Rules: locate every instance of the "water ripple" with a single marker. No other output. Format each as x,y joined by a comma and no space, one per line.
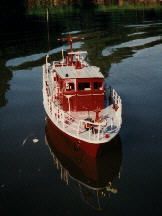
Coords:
134,43
18,61
136,33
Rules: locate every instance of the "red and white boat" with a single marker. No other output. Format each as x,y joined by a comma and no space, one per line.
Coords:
76,102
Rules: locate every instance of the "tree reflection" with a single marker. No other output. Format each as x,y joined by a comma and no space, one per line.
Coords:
11,8
5,76
100,30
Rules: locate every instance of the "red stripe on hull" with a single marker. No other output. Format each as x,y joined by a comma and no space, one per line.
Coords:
90,148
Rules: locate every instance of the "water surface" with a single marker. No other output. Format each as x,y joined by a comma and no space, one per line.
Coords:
128,48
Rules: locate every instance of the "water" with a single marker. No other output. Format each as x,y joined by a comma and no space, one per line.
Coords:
127,46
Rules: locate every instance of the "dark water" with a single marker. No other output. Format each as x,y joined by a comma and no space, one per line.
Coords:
128,48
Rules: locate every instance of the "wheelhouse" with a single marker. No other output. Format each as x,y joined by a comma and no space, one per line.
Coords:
83,91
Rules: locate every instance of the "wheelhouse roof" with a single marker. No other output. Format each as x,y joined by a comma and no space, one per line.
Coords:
86,72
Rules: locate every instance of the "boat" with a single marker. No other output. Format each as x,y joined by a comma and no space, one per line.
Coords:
77,103
94,180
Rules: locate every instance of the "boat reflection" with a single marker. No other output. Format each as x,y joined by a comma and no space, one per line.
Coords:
92,177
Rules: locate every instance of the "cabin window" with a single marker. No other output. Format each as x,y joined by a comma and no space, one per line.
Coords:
97,85
84,86
69,86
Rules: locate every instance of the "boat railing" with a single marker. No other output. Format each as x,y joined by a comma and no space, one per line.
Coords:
97,130
115,97
65,120
48,66
60,116
94,130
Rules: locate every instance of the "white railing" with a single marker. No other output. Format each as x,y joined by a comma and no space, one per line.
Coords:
66,121
93,130
116,98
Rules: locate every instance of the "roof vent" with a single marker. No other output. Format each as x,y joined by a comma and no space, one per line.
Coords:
66,75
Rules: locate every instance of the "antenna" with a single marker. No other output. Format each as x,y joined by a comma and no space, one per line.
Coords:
62,56
47,19
70,40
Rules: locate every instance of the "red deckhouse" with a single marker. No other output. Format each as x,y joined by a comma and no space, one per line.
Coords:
73,93
80,88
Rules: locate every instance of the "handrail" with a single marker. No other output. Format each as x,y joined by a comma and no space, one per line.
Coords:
115,96
93,123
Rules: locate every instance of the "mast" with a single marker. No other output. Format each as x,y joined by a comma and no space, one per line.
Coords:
70,40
